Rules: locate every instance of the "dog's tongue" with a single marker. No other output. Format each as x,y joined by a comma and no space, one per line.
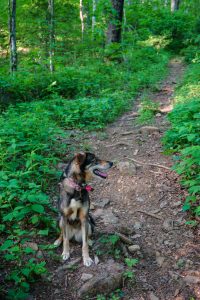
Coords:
102,174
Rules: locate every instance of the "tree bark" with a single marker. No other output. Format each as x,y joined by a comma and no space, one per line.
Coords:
115,24
94,5
82,19
51,34
12,33
175,5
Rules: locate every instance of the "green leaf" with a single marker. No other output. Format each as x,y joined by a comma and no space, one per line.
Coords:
43,232
7,244
38,208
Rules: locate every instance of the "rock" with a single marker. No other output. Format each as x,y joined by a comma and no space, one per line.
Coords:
135,236
168,225
158,115
103,202
191,279
149,129
163,204
92,207
152,296
137,225
159,259
86,277
39,254
127,168
134,248
68,265
140,199
32,245
98,213
178,203
96,260
109,218
103,283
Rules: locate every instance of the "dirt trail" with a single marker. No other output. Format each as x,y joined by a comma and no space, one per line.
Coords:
144,204
169,250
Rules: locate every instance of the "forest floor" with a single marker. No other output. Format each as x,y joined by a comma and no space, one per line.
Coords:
140,203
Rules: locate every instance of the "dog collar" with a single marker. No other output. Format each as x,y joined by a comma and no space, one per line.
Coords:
78,187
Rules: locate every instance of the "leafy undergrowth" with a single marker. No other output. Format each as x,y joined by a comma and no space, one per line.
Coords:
183,138
31,135
92,78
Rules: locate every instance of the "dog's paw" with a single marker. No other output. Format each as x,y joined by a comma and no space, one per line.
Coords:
65,255
87,261
57,242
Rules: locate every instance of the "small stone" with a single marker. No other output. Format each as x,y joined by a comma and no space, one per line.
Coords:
136,236
163,204
39,254
110,218
133,248
137,225
96,260
152,296
140,199
176,204
174,275
32,245
86,277
102,203
159,259
127,168
92,207
69,265
158,115
191,279
168,225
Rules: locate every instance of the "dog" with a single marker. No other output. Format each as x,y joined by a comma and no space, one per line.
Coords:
74,203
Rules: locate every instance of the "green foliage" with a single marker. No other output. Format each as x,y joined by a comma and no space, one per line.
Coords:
130,262
184,137
147,111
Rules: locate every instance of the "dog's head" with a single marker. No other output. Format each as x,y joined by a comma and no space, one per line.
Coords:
91,166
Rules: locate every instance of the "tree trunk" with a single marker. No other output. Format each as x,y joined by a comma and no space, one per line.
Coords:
82,19
115,24
51,34
175,5
12,33
94,5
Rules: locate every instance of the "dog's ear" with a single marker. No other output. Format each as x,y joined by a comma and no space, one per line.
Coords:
80,158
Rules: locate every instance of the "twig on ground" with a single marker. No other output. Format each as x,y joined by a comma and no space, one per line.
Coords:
127,133
124,238
148,164
149,214
119,144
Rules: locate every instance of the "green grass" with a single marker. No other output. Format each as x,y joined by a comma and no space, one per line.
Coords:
183,138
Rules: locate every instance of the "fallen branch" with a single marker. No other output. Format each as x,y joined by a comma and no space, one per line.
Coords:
148,164
124,238
127,133
119,144
149,214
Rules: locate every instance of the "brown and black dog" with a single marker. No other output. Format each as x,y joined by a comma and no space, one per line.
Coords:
74,203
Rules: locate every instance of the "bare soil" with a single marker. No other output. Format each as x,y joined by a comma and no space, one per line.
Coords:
144,205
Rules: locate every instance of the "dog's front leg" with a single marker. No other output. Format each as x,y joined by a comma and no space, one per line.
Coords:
65,254
87,261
